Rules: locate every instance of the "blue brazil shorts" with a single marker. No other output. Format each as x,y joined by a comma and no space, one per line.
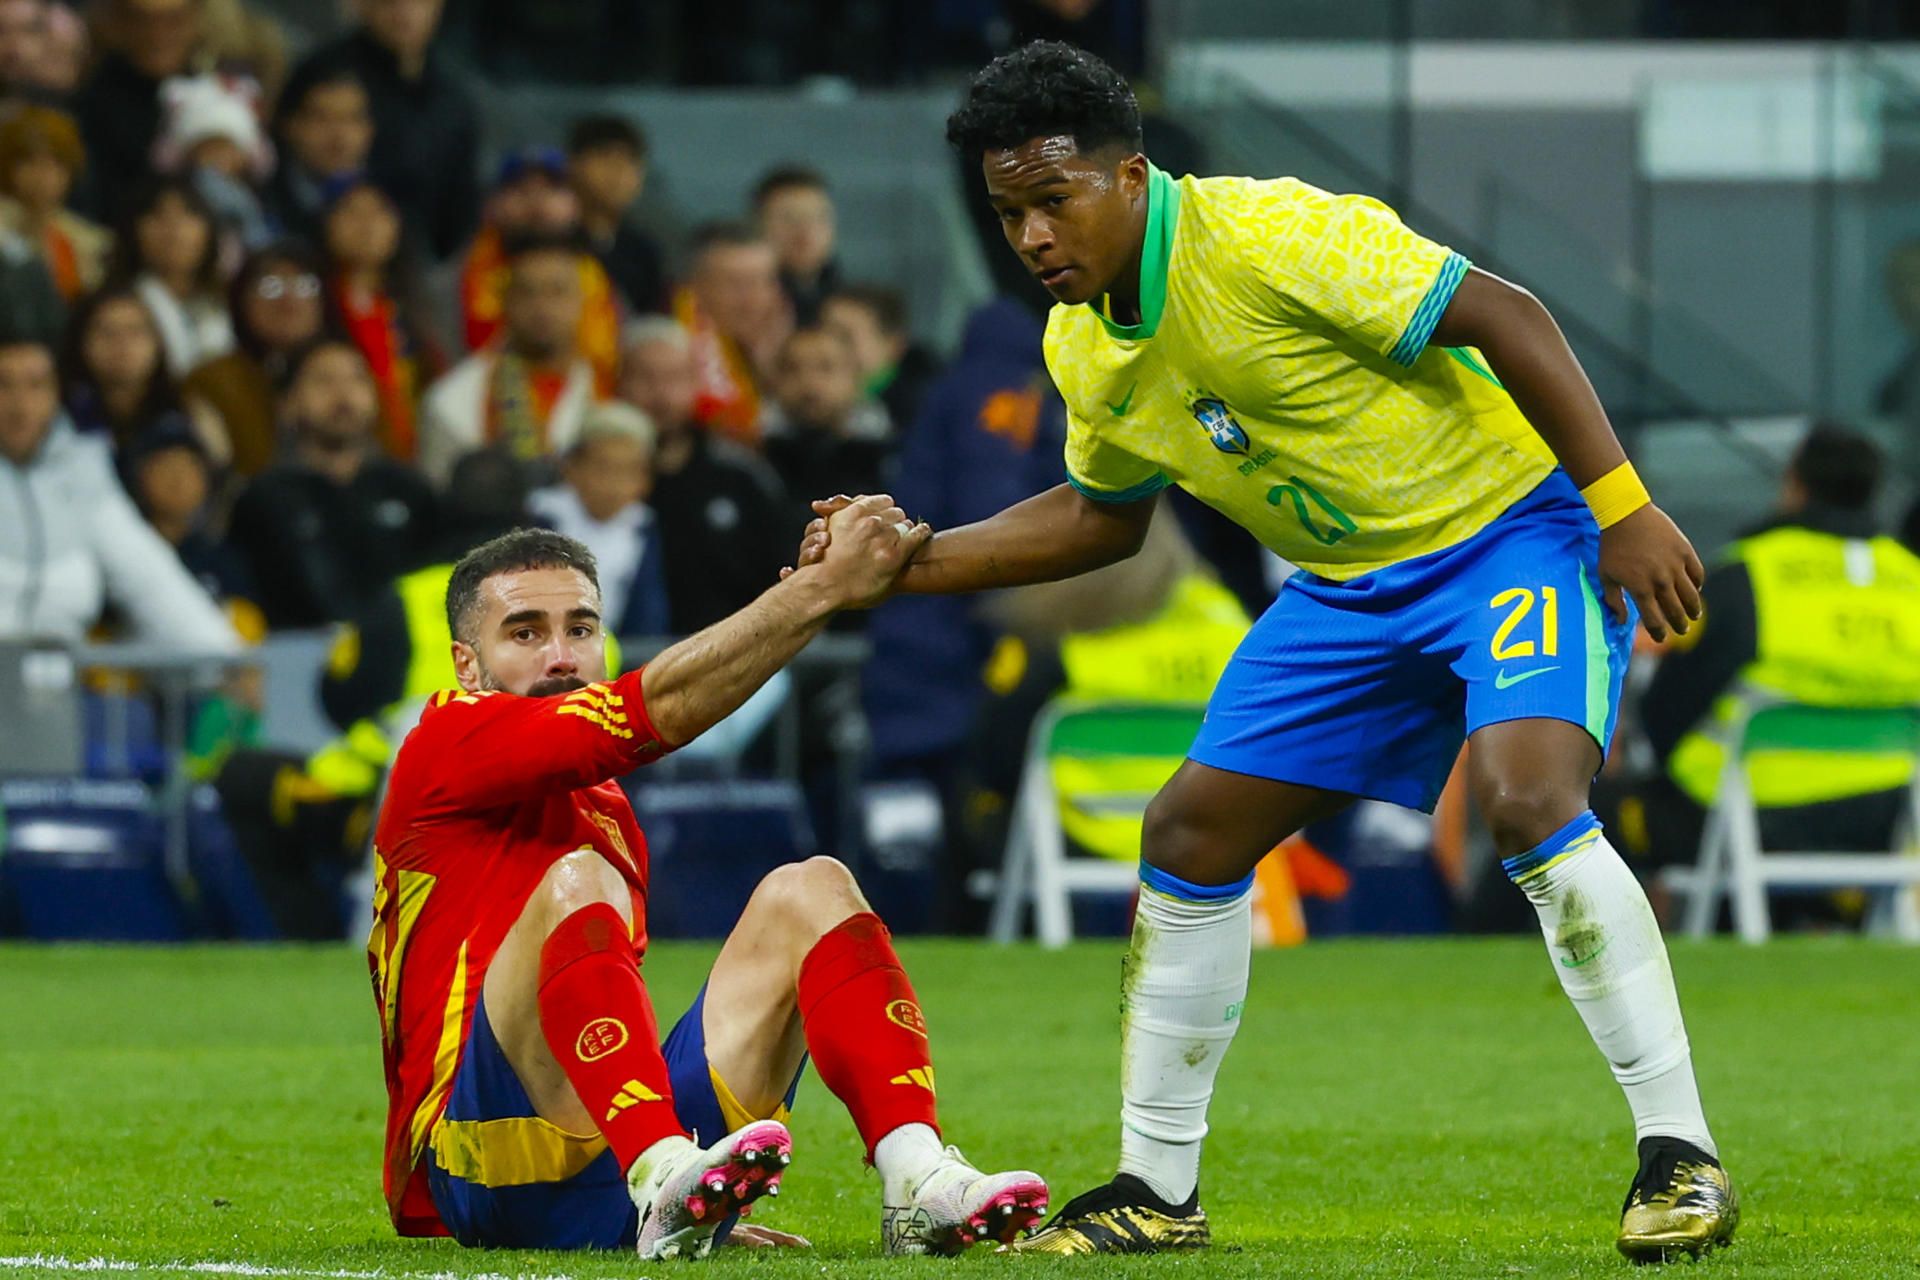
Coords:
503,1178
1370,686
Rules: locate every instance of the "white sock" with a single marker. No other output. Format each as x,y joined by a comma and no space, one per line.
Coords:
1182,992
1606,947
906,1156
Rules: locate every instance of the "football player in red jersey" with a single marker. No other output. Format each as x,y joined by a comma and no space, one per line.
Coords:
532,1103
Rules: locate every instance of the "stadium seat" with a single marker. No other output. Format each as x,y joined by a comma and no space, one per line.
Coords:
1091,768
85,860
1732,861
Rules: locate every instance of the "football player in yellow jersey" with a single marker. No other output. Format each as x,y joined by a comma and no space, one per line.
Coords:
1473,546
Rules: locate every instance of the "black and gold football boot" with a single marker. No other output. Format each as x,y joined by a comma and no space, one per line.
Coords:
1124,1216
1681,1202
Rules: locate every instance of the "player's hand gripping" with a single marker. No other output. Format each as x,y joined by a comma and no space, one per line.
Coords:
1647,557
813,544
866,543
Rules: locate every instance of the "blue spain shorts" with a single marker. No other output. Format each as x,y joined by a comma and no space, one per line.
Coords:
502,1178
1369,686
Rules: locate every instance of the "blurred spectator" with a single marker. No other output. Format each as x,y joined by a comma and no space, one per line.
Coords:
145,44
170,476
23,48
65,54
991,433
602,501
528,390
1812,606
242,40
1899,395
607,162
826,437
114,378
40,159
533,197
71,542
168,249
794,211
324,127
374,288
894,369
211,135
721,510
1113,30
30,302
277,310
426,139
737,316
334,521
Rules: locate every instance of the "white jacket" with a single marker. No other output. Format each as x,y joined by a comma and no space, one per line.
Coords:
454,421
71,540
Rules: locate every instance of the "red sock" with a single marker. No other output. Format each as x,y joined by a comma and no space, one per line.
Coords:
599,1024
865,1030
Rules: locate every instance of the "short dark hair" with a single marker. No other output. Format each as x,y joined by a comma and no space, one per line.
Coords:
510,553
722,235
889,306
1044,90
1838,467
310,78
786,177
523,243
595,133
301,356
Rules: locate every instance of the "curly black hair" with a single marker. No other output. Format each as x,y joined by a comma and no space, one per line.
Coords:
1043,90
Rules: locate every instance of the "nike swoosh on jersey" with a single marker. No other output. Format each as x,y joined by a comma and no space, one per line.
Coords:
1120,410
1502,680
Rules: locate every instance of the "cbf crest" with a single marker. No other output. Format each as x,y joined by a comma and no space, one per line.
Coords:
1225,434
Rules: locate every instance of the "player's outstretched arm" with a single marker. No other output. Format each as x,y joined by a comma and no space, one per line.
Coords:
698,682
1642,552
1057,534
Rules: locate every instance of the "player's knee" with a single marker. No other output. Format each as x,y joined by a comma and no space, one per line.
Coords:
807,898
1520,814
1173,840
578,880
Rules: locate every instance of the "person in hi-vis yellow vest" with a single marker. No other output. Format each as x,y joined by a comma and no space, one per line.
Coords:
1814,606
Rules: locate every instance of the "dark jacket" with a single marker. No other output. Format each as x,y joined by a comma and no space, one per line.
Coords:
723,535
634,264
426,140
118,110
316,550
990,433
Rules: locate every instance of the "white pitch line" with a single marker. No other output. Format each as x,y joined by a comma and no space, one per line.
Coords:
45,1262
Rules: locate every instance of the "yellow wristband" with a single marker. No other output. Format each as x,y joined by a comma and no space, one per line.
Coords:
1616,495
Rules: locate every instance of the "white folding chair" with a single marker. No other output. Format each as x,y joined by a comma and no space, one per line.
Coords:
1138,738
1732,861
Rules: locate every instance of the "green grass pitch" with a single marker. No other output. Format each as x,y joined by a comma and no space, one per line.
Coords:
1390,1109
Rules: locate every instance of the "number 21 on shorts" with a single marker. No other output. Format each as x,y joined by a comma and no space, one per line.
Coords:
1519,602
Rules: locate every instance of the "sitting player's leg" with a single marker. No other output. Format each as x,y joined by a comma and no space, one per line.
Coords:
1530,779
570,1014
1184,986
810,969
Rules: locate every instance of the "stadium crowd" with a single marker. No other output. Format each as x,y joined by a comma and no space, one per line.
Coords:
275,348
275,335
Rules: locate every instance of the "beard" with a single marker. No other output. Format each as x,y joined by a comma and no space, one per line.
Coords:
547,688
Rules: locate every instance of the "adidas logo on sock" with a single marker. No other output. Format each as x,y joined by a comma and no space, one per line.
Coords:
922,1076
631,1094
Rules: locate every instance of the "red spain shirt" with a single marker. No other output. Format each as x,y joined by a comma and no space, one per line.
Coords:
486,793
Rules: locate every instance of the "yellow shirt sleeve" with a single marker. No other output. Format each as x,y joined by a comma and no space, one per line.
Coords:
1348,261
1104,471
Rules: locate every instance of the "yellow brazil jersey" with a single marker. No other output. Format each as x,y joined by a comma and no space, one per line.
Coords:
1281,374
